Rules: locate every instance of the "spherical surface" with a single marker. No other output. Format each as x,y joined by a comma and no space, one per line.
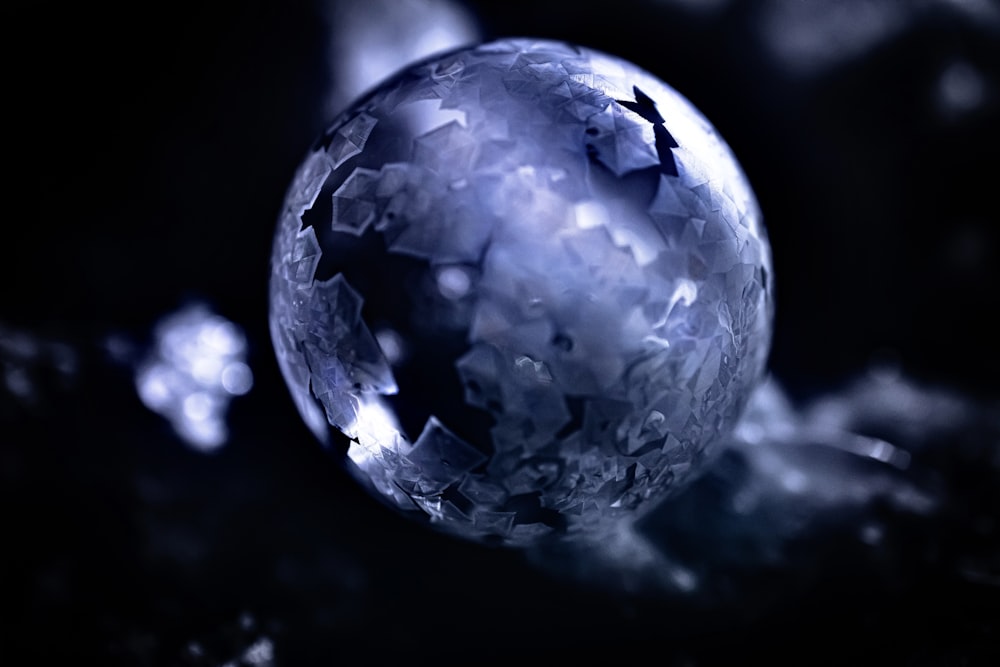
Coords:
527,285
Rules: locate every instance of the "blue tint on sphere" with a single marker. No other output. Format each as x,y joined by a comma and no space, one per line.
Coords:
527,284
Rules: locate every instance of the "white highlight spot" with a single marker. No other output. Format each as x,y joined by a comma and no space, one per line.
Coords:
961,88
195,367
391,344
590,214
237,379
260,653
685,293
198,407
453,282
376,428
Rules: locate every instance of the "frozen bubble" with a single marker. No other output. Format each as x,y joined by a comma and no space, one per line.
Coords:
574,264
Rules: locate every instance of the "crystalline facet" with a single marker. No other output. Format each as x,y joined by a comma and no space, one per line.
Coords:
349,140
442,457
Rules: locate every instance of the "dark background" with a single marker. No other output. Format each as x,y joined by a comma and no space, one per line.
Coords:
147,153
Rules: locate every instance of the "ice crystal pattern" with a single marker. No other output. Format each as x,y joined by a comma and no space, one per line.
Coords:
524,288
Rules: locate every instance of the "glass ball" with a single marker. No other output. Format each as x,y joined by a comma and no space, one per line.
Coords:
523,289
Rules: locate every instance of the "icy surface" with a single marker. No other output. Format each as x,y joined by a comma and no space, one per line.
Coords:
529,283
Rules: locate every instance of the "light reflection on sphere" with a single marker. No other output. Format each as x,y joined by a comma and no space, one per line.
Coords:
525,286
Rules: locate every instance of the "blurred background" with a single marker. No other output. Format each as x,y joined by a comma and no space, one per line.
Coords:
164,504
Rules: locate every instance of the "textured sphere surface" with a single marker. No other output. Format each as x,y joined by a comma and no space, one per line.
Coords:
524,287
